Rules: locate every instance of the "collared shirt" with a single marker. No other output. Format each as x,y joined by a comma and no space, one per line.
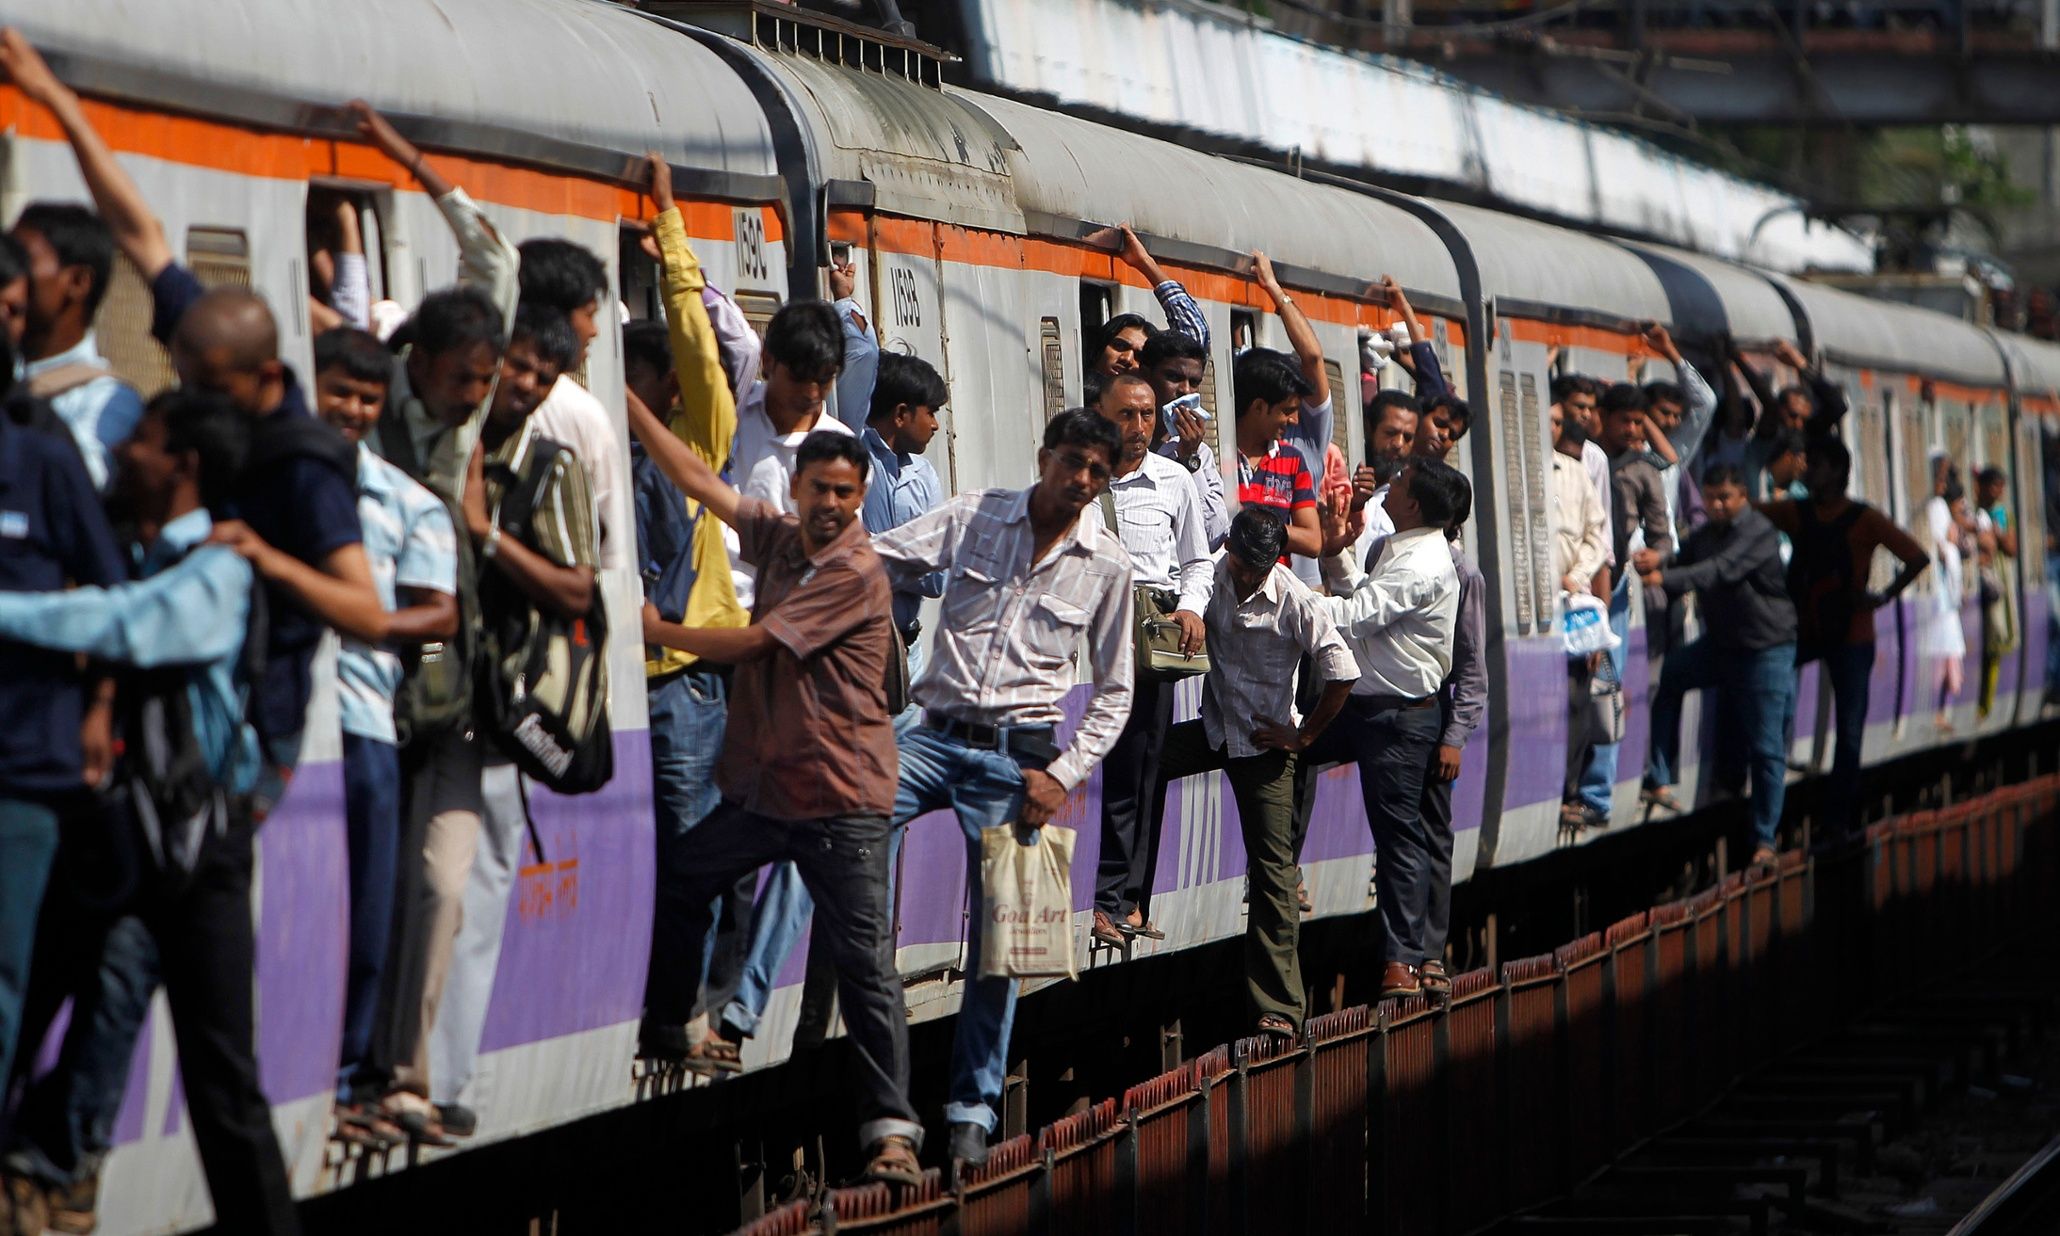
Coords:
1580,536
682,555
192,608
52,533
1398,618
762,467
1012,628
570,414
1639,506
1182,313
1596,463
1255,646
1735,571
1466,687
1310,437
409,543
488,262
1207,478
1379,527
1160,525
809,736
101,413
861,367
902,487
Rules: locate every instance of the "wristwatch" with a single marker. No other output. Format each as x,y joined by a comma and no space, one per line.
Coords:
1193,462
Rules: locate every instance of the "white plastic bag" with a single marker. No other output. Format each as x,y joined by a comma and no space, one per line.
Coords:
1584,624
1027,891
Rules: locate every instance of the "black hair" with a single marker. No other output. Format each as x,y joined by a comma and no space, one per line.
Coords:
455,318
1383,400
823,446
907,380
358,353
806,338
1990,475
1454,407
1832,454
1264,375
1116,326
1621,397
1257,536
211,427
548,330
1441,491
1090,388
1790,442
14,260
647,343
1165,345
1571,384
1954,491
1723,474
1664,392
78,237
1462,505
1084,427
1796,389
561,274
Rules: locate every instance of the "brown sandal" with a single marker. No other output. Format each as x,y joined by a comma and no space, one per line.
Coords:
1105,930
714,1055
894,1162
1277,1026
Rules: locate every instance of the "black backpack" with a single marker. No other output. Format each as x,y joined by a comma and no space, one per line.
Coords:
1820,579
543,682
163,807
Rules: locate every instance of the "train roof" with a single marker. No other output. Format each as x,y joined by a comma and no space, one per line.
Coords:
1071,172
1710,296
574,83
1882,334
2034,363
1533,269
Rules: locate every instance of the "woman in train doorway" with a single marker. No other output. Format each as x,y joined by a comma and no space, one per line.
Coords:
1943,643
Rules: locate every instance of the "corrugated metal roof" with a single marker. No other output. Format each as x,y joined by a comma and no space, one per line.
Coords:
1524,260
1710,296
1881,334
575,71
1071,169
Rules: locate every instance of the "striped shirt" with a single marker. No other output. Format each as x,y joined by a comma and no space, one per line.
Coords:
1011,629
1160,524
1254,646
408,544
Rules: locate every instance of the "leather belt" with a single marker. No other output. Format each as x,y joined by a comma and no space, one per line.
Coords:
1393,703
985,737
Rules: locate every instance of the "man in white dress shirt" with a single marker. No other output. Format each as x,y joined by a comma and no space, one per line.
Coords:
1398,618
1159,521
572,280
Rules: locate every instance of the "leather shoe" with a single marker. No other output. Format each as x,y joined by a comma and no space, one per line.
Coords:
1399,979
1104,929
968,1143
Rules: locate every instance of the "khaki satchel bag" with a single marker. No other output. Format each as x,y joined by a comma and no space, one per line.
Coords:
1154,635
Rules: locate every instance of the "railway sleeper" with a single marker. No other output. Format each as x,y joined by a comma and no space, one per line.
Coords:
1791,1183
1823,1151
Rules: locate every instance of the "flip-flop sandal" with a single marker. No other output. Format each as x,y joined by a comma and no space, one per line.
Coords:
360,1125
1661,797
1141,928
712,1056
1276,1026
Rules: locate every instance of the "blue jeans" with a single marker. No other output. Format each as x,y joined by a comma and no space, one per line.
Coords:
1756,693
689,716
1599,778
984,789
28,847
1849,669
372,836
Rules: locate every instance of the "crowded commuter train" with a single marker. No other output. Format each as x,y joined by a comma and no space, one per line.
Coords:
974,233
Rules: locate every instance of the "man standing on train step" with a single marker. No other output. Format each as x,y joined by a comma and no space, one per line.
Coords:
1028,580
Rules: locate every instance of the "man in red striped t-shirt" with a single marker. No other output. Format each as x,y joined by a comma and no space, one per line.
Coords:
1269,387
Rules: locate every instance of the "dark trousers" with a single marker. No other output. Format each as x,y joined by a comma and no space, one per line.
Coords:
1130,819
1436,810
372,836
200,943
1849,669
28,847
1308,689
1264,787
689,715
843,862
1392,742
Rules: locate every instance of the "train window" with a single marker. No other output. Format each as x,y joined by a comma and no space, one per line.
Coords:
1243,330
758,308
339,220
1094,310
1051,352
636,279
1335,375
219,256
123,328
1543,578
1510,421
